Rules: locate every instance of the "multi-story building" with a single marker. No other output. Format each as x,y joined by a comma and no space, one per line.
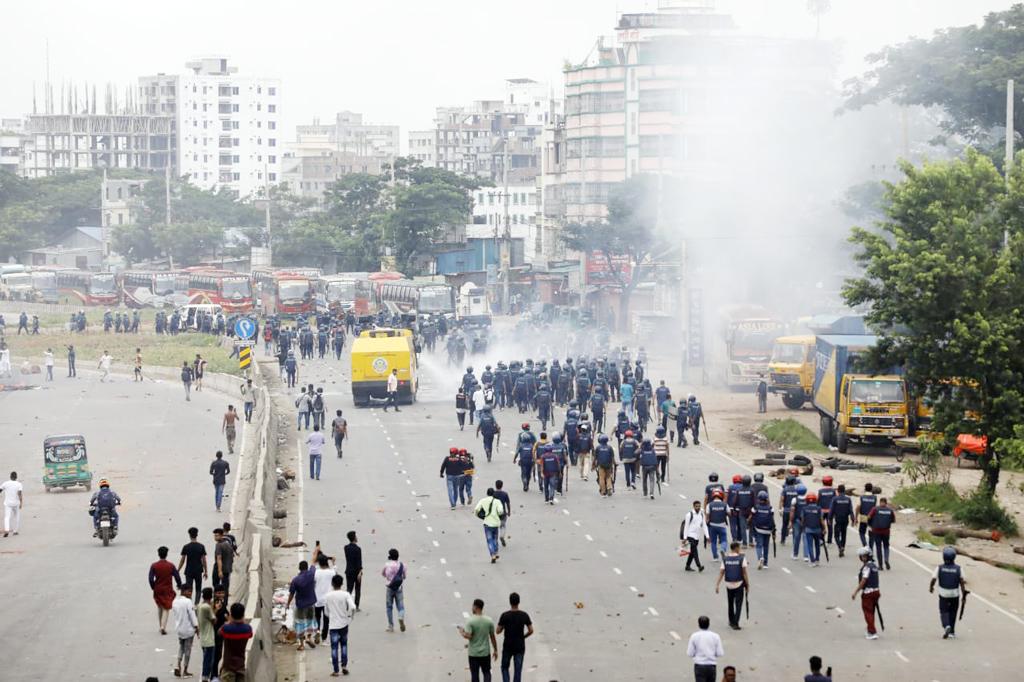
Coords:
120,200
322,153
226,126
423,147
518,207
12,143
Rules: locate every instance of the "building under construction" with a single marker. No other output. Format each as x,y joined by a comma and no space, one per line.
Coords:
61,143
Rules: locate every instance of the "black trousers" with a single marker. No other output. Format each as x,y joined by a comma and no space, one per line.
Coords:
693,558
196,581
355,586
734,602
948,608
841,526
705,673
478,665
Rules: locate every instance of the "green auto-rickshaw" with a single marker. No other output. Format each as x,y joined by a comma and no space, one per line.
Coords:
66,462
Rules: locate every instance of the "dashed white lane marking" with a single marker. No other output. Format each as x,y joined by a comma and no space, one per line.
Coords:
576,523
900,656
675,635
429,529
457,595
565,511
389,438
601,552
840,611
809,588
589,539
618,571
654,611
424,516
408,482
786,570
418,504
436,543
682,496
413,493
633,588
443,560
448,574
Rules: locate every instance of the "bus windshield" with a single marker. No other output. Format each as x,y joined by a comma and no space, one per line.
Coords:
102,283
293,290
876,391
341,291
18,279
44,281
237,288
793,353
166,284
435,300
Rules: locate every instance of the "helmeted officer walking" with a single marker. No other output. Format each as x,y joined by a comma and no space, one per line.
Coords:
952,587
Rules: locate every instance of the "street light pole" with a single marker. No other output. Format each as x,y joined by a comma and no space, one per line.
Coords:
506,252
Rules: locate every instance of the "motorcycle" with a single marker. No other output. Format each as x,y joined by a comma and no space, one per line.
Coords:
106,531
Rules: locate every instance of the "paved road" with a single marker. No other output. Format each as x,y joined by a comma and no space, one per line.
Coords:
600,577
78,610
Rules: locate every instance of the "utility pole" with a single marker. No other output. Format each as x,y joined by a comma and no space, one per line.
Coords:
506,252
1008,163
167,202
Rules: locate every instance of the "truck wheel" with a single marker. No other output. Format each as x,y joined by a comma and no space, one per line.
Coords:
792,401
842,442
825,429
899,454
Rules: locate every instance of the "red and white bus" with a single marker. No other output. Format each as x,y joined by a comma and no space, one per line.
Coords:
286,292
146,289
90,288
232,291
345,291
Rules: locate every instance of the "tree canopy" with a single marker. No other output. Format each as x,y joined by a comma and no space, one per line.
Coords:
33,212
962,70
947,295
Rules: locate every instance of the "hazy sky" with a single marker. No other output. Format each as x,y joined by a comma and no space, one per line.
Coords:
393,60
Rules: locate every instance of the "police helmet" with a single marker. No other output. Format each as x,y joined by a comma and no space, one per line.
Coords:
762,496
602,439
948,554
660,432
584,426
469,370
801,489
811,497
629,433
826,480
790,480
864,552
736,478
583,374
759,477
713,477
554,362
526,426
622,413
746,480
557,438
691,398
104,483
574,414
584,418
717,494
568,361
647,443
488,367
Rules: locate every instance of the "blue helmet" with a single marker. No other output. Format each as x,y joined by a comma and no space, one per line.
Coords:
949,554
801,489
557,438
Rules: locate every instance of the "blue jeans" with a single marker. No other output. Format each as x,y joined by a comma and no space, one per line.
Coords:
248,411
491,534
301,417
218,494
394,598
314,466
761,541
467,487
812,544
744,527
798,533
550,486
517,662
454,486
628,408
208,662
630,469
718,535
339,640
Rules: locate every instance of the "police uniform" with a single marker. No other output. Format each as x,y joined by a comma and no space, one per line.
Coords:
948,577
732,568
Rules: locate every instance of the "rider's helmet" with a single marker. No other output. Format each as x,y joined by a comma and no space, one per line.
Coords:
104,483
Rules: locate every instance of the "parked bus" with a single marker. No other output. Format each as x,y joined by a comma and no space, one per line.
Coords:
16,283
345,291
142,289
232,291
422,297
45,284
90,288
285,293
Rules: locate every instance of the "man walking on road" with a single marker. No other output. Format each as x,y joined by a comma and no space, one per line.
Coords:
193,560
303,405
338,609
483,646
952,587
185,624
248,392
339,429
315,441
228,427
354,567
868,588
705,648
48,362
880,520
762,395
235,633
163,577
104,365
224,559
303,590
71,361
219,470
394,574
694,528
14,501
393,392
517,627
453,469
734,572
490,510
506,503
186,379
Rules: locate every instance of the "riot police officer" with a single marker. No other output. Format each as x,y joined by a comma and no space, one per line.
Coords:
952,587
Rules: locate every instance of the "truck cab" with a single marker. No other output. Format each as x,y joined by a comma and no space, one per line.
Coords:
791,369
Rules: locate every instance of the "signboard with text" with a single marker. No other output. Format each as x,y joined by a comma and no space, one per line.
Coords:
599,273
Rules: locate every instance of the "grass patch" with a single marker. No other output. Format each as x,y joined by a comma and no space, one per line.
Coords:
793,435
980,510
163,350
937,498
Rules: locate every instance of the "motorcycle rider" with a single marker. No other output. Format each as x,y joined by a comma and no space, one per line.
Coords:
102,500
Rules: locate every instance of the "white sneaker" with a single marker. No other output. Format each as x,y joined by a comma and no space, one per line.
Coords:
807,559
871,636
760,564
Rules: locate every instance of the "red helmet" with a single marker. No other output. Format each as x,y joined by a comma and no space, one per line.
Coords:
526,426
793,471
629,433
718,494
462,451
737,479
827,480
453,451
811,497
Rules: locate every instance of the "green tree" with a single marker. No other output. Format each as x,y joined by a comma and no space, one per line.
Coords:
630,232
188,243
947,295
33,212
962,70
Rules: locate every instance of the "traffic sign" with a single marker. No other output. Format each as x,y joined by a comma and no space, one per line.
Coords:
245,328
244,357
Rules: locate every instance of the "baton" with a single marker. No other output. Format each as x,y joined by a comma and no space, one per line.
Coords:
707,432
746,593
963,603
824,546
774,549
881,621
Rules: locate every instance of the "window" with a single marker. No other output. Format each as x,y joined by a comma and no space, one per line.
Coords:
272,125
222,108
272,108
259,89
224,160
234,141
271,159
234,108
596,147
259,107
669,100
223,91
225,125
515,197
206,124
235,177
271,91
272,142
195,106
234,158
234,91
259,124
595,102
120,219
120,193
234,125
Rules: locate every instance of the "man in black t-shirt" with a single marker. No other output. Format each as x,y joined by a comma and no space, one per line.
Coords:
503,497
517,626
193,559
354,567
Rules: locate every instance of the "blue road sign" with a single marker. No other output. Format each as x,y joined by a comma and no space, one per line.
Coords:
245,328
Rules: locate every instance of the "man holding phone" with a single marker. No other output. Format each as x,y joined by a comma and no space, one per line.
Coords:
816,675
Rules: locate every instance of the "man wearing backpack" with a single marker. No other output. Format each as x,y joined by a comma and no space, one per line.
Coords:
318,408
303,406
490,510
488,427
394,577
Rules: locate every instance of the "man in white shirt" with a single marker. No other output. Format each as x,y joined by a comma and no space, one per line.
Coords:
322,578
478,400
693,529
338,610
104,365
315,441
14,500
392,391
183,611
48,362
705,648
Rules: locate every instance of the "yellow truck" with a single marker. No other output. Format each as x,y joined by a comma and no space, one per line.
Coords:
856,407
791,369
374,354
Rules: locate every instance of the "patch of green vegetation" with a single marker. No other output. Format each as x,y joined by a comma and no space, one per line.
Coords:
793,435
981,510
938,498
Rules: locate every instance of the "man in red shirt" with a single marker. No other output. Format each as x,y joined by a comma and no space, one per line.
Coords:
236,633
